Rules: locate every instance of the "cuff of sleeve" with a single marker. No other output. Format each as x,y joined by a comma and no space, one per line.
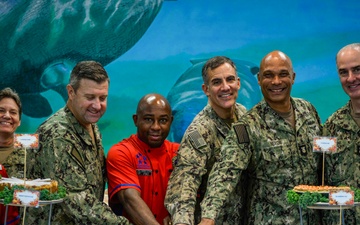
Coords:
209,212
180,213
184,218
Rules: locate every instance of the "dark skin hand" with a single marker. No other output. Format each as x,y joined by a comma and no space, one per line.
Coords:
135,207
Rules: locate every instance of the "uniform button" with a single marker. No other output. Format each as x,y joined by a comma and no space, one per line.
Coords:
156,193
155,215
156,171
149,150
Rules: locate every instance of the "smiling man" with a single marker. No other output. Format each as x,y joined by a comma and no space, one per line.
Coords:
272,146
342,167
71,152
201,144
139,167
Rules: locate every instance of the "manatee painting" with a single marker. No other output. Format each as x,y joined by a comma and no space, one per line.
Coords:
187,98
41,41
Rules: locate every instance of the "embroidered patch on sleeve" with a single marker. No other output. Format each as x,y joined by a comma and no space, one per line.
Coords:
197,139
241,134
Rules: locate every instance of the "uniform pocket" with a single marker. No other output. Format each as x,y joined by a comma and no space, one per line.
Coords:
275,151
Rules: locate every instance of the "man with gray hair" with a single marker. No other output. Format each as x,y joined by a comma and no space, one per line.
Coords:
342,167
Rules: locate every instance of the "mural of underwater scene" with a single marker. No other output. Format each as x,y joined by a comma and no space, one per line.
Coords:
41,41
310,32
155,46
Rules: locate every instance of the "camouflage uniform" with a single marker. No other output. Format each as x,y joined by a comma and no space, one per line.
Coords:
14,163
198,151
66,154
14,166
275,158
343,166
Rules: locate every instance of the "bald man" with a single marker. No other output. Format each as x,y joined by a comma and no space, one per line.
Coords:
342,167
271,145
139,167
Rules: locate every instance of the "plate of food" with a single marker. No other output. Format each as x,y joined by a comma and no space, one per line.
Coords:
317,197
47,191
325,205
318,188
41,202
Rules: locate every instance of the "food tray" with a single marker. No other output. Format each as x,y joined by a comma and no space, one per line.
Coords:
41,202
321,192
325,205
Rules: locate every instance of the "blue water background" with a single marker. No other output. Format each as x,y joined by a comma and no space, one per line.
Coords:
310,32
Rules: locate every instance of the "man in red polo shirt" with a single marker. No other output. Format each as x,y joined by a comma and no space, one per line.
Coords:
139,167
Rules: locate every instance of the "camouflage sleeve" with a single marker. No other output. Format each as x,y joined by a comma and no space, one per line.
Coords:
15,163
224,176
189,167
327,128
313,109
80,204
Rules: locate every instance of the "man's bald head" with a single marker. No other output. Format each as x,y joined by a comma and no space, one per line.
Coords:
275,55
348,48
153,119
152,99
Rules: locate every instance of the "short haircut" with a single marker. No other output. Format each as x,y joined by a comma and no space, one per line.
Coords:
10,93
88,70
355,46
214,63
